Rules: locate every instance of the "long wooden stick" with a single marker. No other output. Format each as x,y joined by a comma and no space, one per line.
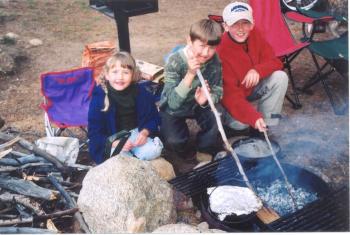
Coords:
222,131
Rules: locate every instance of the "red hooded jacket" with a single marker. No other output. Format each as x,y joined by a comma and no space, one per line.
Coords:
236,62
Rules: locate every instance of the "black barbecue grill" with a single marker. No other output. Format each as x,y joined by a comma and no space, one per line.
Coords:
327,214
121,10
330,212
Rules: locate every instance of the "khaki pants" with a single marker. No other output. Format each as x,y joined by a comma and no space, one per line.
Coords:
268,96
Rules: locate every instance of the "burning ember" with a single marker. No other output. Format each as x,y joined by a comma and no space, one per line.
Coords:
276,196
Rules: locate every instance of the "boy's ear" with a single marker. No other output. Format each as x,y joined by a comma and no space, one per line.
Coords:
252,26
225,26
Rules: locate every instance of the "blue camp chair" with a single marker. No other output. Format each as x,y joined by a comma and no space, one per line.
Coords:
67,96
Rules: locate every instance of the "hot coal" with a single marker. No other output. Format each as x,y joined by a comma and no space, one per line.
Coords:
277,197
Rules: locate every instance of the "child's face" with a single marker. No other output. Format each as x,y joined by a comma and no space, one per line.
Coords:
201,50
239,30
118,77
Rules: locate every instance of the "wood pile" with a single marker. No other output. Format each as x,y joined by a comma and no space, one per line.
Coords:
37,191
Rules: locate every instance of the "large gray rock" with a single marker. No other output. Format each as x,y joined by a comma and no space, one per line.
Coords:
177,228
164,169
125,195
186,228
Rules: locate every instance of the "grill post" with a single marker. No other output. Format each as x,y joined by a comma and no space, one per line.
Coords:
121,10
122,21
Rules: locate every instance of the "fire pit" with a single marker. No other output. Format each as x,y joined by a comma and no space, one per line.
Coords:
262,174
266,178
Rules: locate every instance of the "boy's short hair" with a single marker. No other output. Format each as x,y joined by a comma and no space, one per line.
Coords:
206,30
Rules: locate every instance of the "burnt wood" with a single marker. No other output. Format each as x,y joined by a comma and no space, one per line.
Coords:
27,188
24,230
57,214
23,200
31,147
16,221
70,202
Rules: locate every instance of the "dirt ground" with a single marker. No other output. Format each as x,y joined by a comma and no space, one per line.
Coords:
312,137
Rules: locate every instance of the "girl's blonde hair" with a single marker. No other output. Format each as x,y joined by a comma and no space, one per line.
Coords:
126,61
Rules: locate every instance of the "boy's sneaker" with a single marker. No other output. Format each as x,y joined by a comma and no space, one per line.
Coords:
232,132
256,133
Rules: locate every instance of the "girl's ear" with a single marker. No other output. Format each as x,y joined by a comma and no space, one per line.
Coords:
188,40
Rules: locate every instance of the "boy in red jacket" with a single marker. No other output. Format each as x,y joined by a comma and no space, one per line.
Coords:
251,72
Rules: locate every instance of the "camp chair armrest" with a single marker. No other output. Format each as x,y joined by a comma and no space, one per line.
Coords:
298,17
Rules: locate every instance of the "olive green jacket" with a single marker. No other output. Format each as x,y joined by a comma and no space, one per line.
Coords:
177,99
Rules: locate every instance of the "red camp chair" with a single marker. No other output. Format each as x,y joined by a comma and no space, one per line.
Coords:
270,21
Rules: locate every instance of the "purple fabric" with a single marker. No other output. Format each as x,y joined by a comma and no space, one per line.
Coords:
68,96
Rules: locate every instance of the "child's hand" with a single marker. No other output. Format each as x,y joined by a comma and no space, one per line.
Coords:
192,62
260,125
251,79
128,146
200,96
141,138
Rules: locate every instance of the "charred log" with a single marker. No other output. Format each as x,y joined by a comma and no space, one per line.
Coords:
23,200
16,221
10,143
14,168
25,230
22,160
57,214
27,188
70,202
31,147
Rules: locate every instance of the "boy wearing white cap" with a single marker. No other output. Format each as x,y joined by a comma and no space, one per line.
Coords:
251,72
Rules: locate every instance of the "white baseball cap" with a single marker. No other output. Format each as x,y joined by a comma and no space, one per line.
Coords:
236,11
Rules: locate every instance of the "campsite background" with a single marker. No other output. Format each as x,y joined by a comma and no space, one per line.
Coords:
312,137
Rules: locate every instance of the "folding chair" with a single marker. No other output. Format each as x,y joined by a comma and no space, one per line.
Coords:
271,23
336,56
334,51
314,21
67,96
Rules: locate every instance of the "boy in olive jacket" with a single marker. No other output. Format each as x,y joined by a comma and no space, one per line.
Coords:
183,97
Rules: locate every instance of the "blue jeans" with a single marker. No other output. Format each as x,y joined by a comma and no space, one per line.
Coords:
269,95
148,151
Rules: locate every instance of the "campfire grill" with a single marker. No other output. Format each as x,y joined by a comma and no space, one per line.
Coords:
330,212
121,10
220,172
327,214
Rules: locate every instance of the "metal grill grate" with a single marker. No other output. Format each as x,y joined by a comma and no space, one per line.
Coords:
329,213
218,172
